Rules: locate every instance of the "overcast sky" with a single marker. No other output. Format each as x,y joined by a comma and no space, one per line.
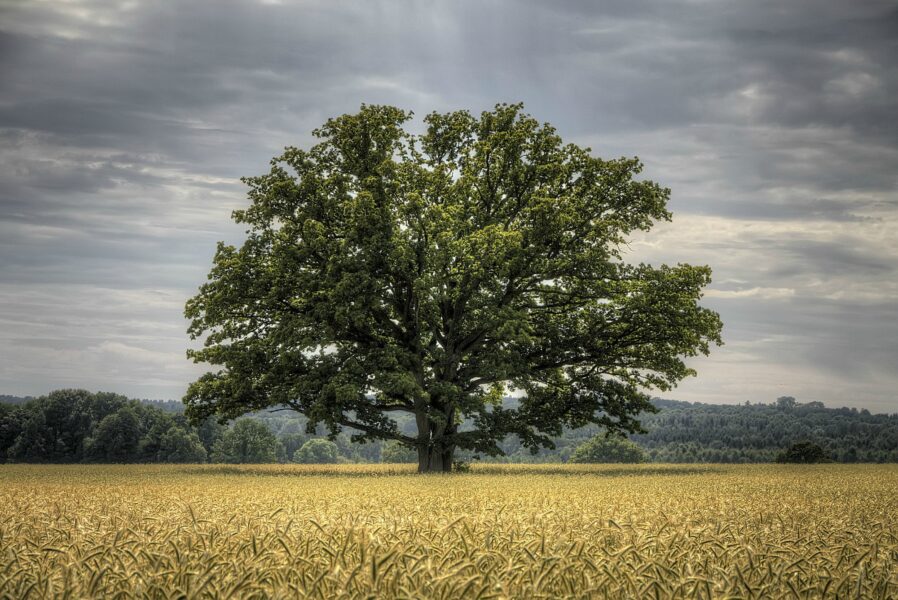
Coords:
124,128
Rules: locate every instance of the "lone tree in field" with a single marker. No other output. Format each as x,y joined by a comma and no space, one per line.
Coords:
386,272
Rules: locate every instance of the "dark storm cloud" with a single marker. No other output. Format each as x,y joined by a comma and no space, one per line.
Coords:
124,127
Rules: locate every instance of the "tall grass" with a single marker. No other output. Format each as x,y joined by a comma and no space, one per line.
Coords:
757,531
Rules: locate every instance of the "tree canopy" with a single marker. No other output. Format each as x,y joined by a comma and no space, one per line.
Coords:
387,272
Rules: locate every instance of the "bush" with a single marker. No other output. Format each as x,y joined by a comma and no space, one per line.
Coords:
608,449
461,466
317,452
803,452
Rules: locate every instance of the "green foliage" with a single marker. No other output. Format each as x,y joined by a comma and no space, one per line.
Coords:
11,421
54,428
292,442
461,466
785,402
209,432
117,438
317,451
694,432
684,432
803,452
180,446
77,425
385,272
248,441
680,432
33,442
608,449
394,452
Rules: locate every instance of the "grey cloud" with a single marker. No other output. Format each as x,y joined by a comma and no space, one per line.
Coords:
829,259
124,128
832,337
813,208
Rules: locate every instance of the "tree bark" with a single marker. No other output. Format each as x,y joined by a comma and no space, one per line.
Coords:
435,458
435,451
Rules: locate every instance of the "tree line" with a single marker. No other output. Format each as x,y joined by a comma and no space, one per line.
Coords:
79,426
684,432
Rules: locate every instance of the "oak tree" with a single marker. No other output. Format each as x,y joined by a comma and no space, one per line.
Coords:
437,273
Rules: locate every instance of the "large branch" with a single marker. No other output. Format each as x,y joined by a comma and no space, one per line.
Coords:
393,407
374,431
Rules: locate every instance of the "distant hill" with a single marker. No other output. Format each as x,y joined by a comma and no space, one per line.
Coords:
5,399
170,406
683,431
697,432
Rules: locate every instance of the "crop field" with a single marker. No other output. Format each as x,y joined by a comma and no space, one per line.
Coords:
754,531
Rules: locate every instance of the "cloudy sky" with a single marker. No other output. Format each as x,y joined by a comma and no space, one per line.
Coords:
124,127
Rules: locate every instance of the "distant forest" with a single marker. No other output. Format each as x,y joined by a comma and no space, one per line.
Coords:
79,426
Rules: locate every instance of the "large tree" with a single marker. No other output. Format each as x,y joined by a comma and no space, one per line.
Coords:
433,274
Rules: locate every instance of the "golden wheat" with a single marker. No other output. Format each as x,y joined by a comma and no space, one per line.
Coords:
650,531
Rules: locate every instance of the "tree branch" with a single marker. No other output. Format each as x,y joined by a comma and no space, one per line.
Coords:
374,431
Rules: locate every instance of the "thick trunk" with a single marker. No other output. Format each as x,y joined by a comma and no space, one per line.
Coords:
435,448
435,459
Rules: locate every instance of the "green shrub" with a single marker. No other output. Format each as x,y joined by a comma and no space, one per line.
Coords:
608,449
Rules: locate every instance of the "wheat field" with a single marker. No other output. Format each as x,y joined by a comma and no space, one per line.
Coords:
675,531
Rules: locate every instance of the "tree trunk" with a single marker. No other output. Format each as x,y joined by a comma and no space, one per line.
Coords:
435,459
435,452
